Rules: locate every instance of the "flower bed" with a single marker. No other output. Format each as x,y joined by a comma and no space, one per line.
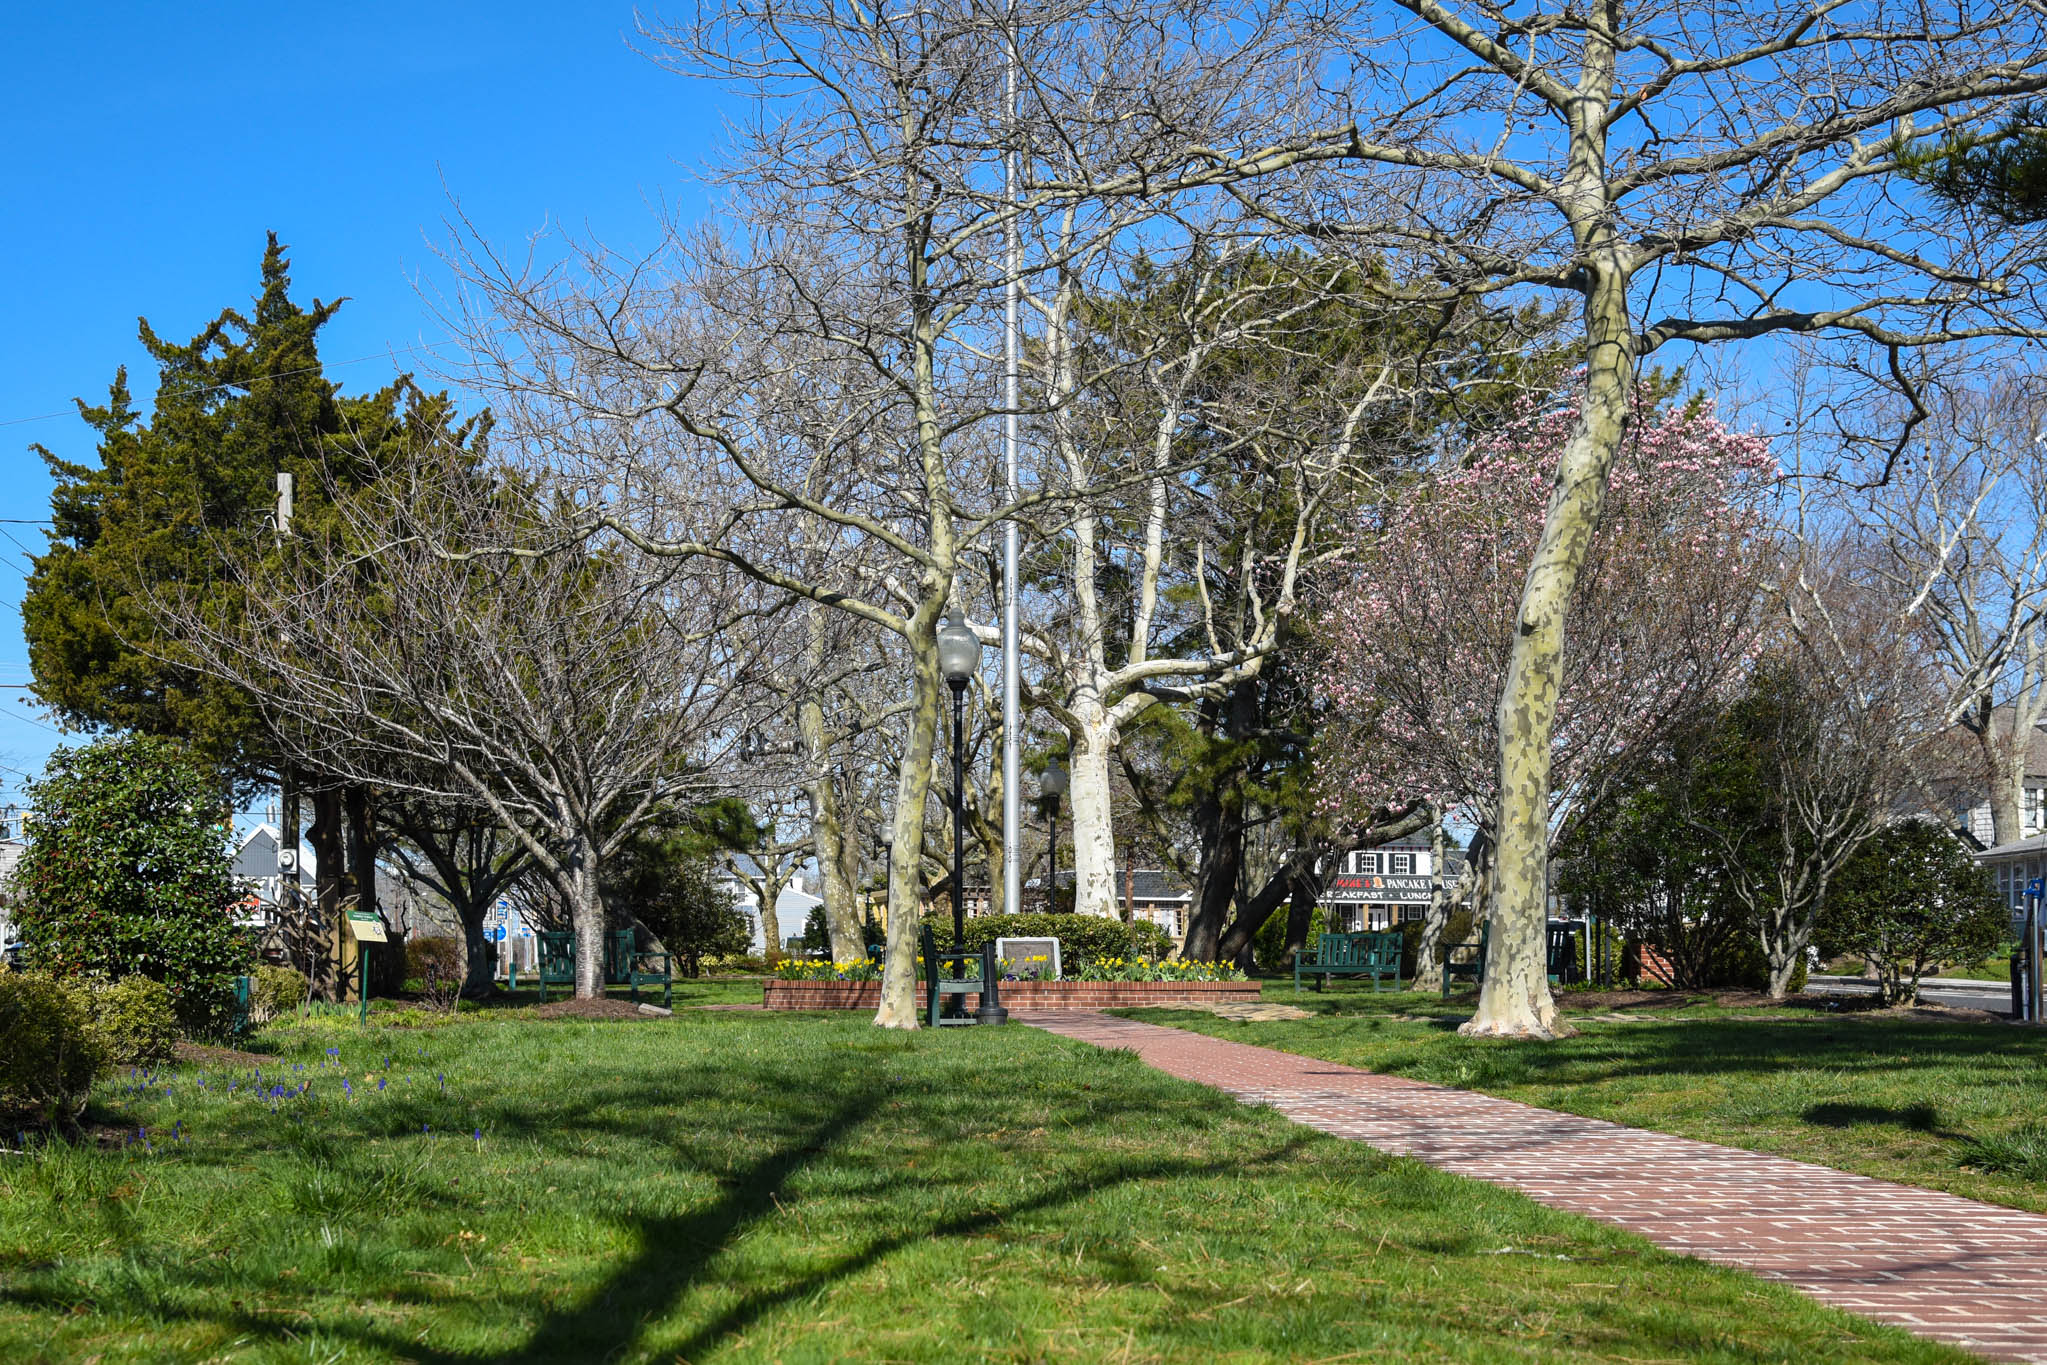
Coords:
1018,995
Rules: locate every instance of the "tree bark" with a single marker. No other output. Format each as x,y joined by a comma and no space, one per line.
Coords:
1515,1000
1428,959
906,848
325,835
1089,798
580,866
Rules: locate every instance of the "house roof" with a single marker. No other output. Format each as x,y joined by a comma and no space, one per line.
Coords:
2017,848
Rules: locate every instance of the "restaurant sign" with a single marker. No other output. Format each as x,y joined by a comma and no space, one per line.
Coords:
1371,888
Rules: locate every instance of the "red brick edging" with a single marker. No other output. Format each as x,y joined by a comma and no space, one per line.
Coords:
1027,995
1938,1265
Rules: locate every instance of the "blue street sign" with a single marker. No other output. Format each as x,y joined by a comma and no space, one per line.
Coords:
497,935
2037,886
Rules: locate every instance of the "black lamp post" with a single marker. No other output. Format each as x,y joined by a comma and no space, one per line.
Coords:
959,658
1052,788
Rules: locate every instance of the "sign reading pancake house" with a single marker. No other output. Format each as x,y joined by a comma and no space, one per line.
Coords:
1380,888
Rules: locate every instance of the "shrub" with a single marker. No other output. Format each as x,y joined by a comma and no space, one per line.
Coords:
133,1021
275,991
48,1052
128,875
1080,936
436,961
1268,945
1909,899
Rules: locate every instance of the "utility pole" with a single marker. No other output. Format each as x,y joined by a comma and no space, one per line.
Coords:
1012,669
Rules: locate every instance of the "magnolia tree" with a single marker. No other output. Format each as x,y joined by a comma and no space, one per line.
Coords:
1420,633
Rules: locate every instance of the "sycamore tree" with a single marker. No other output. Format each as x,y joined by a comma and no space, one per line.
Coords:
1421,632
1682,175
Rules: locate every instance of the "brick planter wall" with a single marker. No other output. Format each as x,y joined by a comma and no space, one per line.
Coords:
1018,995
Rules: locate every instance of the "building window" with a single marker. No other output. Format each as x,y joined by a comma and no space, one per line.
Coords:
1410,912
1368,864
2036,808
1403,864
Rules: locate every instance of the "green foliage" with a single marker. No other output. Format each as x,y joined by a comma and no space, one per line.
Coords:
665,876
435,961
1456,929
133,1021
275,991
128,875
1909,899
2003,172
1080,936
49,1051
172,499
1268,945
1642,865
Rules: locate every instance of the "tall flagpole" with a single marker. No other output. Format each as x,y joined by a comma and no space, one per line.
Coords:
1012,674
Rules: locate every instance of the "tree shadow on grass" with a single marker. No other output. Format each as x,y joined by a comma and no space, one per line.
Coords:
1921,1118
675,1253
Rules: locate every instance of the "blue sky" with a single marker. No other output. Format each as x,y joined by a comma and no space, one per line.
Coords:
149,147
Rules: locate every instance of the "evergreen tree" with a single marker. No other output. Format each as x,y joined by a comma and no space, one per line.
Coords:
171,497
2003,172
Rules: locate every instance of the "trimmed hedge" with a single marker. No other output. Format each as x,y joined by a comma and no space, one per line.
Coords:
134,1021
49,1052
1080,936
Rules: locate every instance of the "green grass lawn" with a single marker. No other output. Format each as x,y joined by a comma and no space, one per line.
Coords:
1950,1106
740,1186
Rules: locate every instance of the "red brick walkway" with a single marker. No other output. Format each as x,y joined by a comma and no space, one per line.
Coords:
1971,1274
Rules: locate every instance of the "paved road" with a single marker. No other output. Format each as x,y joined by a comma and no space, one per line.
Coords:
1994,996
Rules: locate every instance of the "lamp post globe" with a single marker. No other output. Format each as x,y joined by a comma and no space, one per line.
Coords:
959,649
959,658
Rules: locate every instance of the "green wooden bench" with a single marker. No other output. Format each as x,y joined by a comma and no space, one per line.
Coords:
651,969
953,980
1375,955
557,964
1472,971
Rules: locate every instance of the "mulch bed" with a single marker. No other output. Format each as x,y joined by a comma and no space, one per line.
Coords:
201,1055
590,1009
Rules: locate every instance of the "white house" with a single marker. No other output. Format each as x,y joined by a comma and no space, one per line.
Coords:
792,910
1379,887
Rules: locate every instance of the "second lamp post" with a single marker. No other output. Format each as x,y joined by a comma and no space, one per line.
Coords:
959,658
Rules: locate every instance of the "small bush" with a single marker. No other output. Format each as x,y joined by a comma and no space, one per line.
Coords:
134,1021
49,1052
1268,945
437,962
275,991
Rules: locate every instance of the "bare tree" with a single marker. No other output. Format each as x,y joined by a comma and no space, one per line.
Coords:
1959,535
458,850
1684,173
1835,729
569,690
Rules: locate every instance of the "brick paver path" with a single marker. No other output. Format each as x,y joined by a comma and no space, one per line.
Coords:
1941,1266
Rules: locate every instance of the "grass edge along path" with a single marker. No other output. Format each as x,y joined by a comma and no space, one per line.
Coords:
1950,1104
730,1186
1948,1268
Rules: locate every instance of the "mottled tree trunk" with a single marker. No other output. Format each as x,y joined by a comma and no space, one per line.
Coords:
1515,1001
899,995
1093,824
581,887
1428,959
